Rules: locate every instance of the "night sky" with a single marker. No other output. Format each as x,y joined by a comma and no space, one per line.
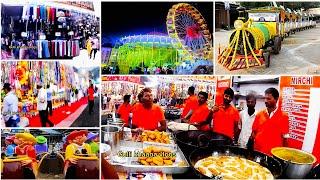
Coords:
133,18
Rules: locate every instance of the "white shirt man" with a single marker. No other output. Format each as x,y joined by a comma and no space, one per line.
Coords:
10,106
42,100
246,127
95,44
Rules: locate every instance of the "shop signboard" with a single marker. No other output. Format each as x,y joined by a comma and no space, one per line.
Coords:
80,4
133,79
298,98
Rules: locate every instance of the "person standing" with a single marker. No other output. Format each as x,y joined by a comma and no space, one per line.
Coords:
191,104
247,117
147,115
95,47
89,46
91,98
49,99
226,116
67,96
124,110
10,107
201,113
42,105
271,126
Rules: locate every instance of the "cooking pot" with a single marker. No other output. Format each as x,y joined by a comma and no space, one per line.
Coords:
264,160
188,141
296,163
112,135
115,121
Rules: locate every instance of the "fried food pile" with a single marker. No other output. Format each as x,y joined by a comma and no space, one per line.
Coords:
154,136
157,156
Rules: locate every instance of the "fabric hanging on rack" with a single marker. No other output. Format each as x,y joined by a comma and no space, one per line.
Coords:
55,49
52,47
43,13
69,48
35,13
12,69
39,46
25,12
48,14
30,13
45,46
38,12
53,15
60,48
78,48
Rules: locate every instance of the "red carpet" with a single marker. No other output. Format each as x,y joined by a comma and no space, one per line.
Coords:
58,114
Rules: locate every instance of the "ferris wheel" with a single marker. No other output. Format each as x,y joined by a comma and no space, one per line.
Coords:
185,23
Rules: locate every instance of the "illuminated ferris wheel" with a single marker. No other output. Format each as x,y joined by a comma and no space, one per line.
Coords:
185,23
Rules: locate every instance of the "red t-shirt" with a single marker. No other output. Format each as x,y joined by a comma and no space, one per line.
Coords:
224,121
90,94
191,104
124,111
147,119
269,131
200,115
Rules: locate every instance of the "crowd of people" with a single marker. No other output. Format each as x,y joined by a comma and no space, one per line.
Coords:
44,94
261,130
92,46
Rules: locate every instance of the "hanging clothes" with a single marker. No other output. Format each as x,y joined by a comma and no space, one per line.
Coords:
53,15
35,13
43,13
38,13
45,47
48,14
25,12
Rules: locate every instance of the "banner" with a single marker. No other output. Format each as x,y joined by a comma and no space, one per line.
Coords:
133,79
80,4
298,96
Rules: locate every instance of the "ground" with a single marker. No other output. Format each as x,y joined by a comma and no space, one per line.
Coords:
87,120
299,55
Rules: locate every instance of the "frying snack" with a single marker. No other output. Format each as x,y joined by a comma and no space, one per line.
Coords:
149,160
168,162
157,158
230,167
154,136
144,162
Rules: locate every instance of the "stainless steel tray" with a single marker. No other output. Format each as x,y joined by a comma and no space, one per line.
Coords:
131,165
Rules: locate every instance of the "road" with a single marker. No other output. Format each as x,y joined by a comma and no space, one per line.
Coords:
86,120
299,55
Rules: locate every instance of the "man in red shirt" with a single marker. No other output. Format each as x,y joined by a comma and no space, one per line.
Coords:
147,115
190,105
271,126
201,113
91,98
226,116
124,109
